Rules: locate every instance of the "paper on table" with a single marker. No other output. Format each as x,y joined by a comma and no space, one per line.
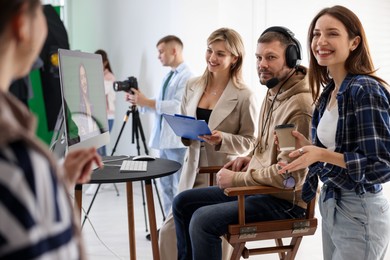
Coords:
187,127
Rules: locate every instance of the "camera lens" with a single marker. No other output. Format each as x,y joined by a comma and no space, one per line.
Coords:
116,86
126,85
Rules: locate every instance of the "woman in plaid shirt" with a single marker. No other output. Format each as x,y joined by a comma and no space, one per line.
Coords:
351,137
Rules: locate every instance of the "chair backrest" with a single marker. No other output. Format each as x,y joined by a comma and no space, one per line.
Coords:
239,234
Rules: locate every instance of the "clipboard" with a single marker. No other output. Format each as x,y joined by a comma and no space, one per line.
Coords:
187,126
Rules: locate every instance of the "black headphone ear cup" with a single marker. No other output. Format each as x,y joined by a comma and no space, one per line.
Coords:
292,56
293,51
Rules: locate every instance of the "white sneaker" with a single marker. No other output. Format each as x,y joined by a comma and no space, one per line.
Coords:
91,189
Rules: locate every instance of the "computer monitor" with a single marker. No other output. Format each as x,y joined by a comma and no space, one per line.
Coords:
83,99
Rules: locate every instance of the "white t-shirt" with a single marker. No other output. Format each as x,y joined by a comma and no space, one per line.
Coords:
326,130
110,93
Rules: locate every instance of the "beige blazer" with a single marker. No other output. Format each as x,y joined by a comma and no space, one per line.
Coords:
235,115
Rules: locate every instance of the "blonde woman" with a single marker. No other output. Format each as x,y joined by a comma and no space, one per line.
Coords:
229,107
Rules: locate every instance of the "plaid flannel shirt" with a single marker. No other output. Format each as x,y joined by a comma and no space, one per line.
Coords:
362,136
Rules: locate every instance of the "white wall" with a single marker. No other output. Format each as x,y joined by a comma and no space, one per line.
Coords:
129,29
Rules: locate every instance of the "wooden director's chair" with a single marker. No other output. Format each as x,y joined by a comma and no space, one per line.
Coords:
239,234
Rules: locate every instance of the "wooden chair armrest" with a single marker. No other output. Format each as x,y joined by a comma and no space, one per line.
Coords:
210,169
251,190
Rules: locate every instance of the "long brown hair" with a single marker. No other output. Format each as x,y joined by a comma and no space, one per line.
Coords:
359,60
106,62
235,46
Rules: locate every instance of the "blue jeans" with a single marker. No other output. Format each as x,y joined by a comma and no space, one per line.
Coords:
102,151
202,215
110,124
355,227
168,184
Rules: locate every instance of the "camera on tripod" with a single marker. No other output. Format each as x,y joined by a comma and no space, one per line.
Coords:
126,85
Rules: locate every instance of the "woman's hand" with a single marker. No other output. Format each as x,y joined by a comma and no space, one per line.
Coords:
78,166
305,156
300,139
240,164
214,139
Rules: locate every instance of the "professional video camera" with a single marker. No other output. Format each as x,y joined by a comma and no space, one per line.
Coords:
126,85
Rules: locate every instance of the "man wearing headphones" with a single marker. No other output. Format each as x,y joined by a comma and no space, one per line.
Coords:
203,215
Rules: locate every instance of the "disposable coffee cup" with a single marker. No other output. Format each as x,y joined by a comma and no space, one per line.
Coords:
285,138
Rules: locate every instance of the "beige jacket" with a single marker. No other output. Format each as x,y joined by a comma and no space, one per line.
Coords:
235,115
293,105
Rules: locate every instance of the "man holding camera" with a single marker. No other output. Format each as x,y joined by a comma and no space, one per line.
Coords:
170,49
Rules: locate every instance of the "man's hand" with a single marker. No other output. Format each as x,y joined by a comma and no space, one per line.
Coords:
240,164
78,165
225,178
132,98
138,98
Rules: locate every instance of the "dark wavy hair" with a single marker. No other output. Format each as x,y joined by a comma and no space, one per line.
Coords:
359,60
8,8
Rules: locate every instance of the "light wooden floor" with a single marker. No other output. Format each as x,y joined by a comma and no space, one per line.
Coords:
108,239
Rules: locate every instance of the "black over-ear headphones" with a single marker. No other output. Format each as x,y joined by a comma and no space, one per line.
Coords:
293,51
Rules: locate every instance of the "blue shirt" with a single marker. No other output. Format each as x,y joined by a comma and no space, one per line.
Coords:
162,136
362,136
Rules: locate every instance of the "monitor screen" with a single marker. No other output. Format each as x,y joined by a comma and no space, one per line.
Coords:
83,99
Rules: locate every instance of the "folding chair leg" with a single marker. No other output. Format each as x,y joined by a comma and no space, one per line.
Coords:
295,242
237,251
279,242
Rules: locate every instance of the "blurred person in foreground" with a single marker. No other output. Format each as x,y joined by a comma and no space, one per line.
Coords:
37,220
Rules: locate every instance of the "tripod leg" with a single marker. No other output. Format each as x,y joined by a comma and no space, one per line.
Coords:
141,130
120,132
116,189
90,205
138,124
135,133
126,117
159,199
